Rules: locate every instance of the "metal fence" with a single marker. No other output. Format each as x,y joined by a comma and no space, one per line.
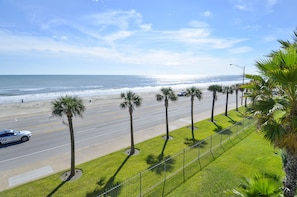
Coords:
163,177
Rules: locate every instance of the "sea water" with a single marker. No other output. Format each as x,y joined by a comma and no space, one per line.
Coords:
22,88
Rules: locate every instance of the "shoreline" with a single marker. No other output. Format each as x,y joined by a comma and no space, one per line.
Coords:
39,106
17,109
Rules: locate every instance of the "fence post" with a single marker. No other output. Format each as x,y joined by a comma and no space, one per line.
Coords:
211,147
237,131
163,192
221,136
210,143
140,184
199,157
184,155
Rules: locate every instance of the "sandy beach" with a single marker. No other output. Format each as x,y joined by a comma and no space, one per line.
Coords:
26,108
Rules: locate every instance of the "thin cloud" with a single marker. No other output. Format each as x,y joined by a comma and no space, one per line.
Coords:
198,24
53,23
240,50
206,14
118,18
146,27
200,38
118,36
244,5
270,4
241,7
253,5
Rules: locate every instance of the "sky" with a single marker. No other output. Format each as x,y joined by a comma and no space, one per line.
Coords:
141,37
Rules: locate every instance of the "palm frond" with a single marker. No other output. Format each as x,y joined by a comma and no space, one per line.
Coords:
68,105
130,100
274,131
195,92
167,94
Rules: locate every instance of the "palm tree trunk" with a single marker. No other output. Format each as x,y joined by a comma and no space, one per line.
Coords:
290,183
242,98
236,91
245,99
213,103
192,117
132,151
166,114
72,169
226,109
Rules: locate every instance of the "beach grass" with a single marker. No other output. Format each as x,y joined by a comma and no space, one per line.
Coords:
105,172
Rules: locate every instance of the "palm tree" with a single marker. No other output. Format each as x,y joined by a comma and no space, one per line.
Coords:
257,86
193,92
167,94
277,115
227,90
131,100
214,89
69,106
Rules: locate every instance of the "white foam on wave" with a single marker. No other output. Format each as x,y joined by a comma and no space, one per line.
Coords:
102,92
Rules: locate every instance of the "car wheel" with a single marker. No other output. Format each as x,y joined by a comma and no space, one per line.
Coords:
24,139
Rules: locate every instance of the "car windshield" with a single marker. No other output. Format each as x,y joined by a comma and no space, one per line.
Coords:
12,131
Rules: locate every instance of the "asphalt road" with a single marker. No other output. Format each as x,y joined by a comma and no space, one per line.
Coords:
102,129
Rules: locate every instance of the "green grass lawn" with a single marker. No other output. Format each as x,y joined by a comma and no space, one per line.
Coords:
251,156
103,173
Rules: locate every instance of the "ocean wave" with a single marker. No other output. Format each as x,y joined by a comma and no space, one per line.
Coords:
94,91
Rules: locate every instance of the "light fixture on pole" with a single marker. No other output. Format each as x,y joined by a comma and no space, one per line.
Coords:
243,73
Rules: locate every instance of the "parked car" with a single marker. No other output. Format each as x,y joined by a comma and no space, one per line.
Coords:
10,135
182,93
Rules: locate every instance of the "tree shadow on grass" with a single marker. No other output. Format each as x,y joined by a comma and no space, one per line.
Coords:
222,131
56,189
241,115
109,184
163,149
231,120
193,143
225,132
219,127
65,177
161,162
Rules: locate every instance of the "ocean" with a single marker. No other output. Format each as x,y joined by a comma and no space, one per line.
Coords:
17,88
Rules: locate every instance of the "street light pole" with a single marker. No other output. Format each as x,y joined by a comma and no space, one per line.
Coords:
243,73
